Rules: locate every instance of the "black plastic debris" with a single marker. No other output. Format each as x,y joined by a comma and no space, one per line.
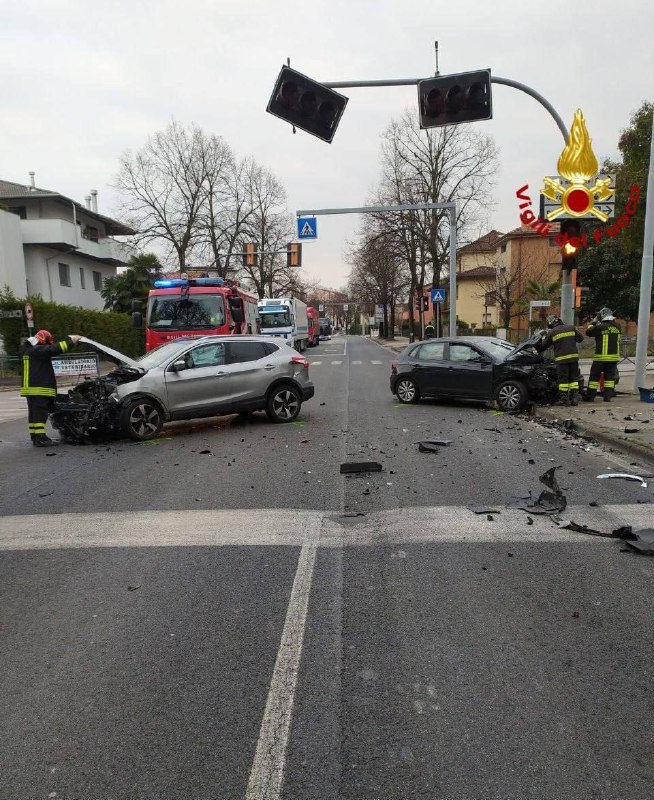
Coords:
483,510
548,478
133,588
631,430
46,494
625,532
530,521
489,517
360,466
427,447
643,542
205,452
569,425
436,442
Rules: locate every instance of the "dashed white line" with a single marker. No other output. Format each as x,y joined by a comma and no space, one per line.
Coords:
376,362
356,362
315,363
337,362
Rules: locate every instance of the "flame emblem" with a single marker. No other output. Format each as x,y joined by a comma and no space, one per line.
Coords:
578,166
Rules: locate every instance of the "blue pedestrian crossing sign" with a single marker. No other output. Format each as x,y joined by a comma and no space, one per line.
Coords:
307,228
438,295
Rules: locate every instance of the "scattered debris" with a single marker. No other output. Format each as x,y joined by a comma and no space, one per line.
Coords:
626,476
483,510
323,404
643,542
133,588
631,430
46,494
50,454
530,521
305,441
593,504
575,615
205,452
489,517
350,513
360,466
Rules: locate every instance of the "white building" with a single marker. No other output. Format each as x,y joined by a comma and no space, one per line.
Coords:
56,248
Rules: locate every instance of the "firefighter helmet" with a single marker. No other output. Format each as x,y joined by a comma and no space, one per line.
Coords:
44,337
553,320
605,313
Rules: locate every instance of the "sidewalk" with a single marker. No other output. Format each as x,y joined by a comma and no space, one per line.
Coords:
599,420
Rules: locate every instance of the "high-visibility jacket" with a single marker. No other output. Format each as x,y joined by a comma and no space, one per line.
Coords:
38,373
607,340
563,338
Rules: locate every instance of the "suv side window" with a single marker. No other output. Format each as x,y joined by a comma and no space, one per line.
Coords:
433,351
269,348
206,355
245,351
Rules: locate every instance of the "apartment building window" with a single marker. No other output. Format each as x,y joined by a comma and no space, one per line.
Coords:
91,233
82,279
503,249
64,274
97,281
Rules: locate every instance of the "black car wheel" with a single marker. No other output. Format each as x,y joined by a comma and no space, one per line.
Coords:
407,391
511,396
284,404
141,419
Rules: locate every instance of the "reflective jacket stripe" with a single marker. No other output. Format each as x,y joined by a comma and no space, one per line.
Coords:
26,372
64,346
562,335
32,391
566,358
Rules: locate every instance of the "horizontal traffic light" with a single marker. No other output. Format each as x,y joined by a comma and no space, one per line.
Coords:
452,99
306,104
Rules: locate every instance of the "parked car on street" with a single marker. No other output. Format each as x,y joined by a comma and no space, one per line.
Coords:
475,368
185,379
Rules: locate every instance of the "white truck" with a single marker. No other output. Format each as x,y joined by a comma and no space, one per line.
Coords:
285,318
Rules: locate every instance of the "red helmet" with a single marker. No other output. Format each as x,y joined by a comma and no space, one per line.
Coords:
44,337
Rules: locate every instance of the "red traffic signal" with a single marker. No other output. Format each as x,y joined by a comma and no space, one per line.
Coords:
306,104
452,99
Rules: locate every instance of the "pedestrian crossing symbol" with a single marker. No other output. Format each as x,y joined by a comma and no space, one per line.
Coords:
438,295
307,228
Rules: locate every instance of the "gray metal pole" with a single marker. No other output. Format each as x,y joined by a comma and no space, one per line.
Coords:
494,79
453,269
314,212
646,276
567,298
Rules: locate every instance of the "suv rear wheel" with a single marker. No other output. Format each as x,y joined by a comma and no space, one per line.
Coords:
141,419
284,403
511,396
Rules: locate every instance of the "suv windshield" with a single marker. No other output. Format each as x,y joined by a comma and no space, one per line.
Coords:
162,353
173,312
274,319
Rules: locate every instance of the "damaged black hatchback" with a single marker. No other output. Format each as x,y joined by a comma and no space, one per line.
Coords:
475,368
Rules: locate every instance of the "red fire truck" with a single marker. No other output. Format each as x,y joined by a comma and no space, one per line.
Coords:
197,307
314,326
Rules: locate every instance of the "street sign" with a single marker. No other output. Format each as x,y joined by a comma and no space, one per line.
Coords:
438,295
345,307
540,303
379,311
29,315
321,307
15,314
307,228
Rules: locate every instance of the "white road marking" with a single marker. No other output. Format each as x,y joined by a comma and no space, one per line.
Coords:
286,527
356,362
267,773
315,363
376,362
337,362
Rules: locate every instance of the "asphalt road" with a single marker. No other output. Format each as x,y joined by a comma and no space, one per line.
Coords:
249,622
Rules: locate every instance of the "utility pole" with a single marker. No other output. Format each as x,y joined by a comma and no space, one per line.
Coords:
642,334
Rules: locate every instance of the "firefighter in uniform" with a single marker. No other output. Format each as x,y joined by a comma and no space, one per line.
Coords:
607,354
39,385
564,339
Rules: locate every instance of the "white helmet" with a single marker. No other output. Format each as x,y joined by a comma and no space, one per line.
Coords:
605,313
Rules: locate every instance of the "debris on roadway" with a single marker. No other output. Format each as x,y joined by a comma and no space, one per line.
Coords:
626,477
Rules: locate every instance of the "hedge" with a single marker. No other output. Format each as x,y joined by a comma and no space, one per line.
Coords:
114,330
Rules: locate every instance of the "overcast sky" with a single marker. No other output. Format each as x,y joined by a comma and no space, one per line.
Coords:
82,82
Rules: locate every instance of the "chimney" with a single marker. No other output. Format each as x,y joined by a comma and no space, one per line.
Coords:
32,183
87,201
94,200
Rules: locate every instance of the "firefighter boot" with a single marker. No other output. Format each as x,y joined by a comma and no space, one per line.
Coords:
41,440
562,399
572,397
608,394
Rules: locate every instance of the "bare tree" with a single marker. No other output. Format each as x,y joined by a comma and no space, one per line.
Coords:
162,188
269,224
440,165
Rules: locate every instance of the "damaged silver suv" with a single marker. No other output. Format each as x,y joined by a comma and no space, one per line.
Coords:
185,379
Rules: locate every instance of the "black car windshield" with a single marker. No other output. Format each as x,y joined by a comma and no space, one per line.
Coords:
274,319
195,312
497,348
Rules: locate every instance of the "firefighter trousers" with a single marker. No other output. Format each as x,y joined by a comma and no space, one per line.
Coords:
610,370
38,409
567,375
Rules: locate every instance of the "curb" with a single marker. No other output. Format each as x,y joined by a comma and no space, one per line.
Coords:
626,446
388,345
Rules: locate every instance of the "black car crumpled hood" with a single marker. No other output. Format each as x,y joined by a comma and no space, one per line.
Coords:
520,349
